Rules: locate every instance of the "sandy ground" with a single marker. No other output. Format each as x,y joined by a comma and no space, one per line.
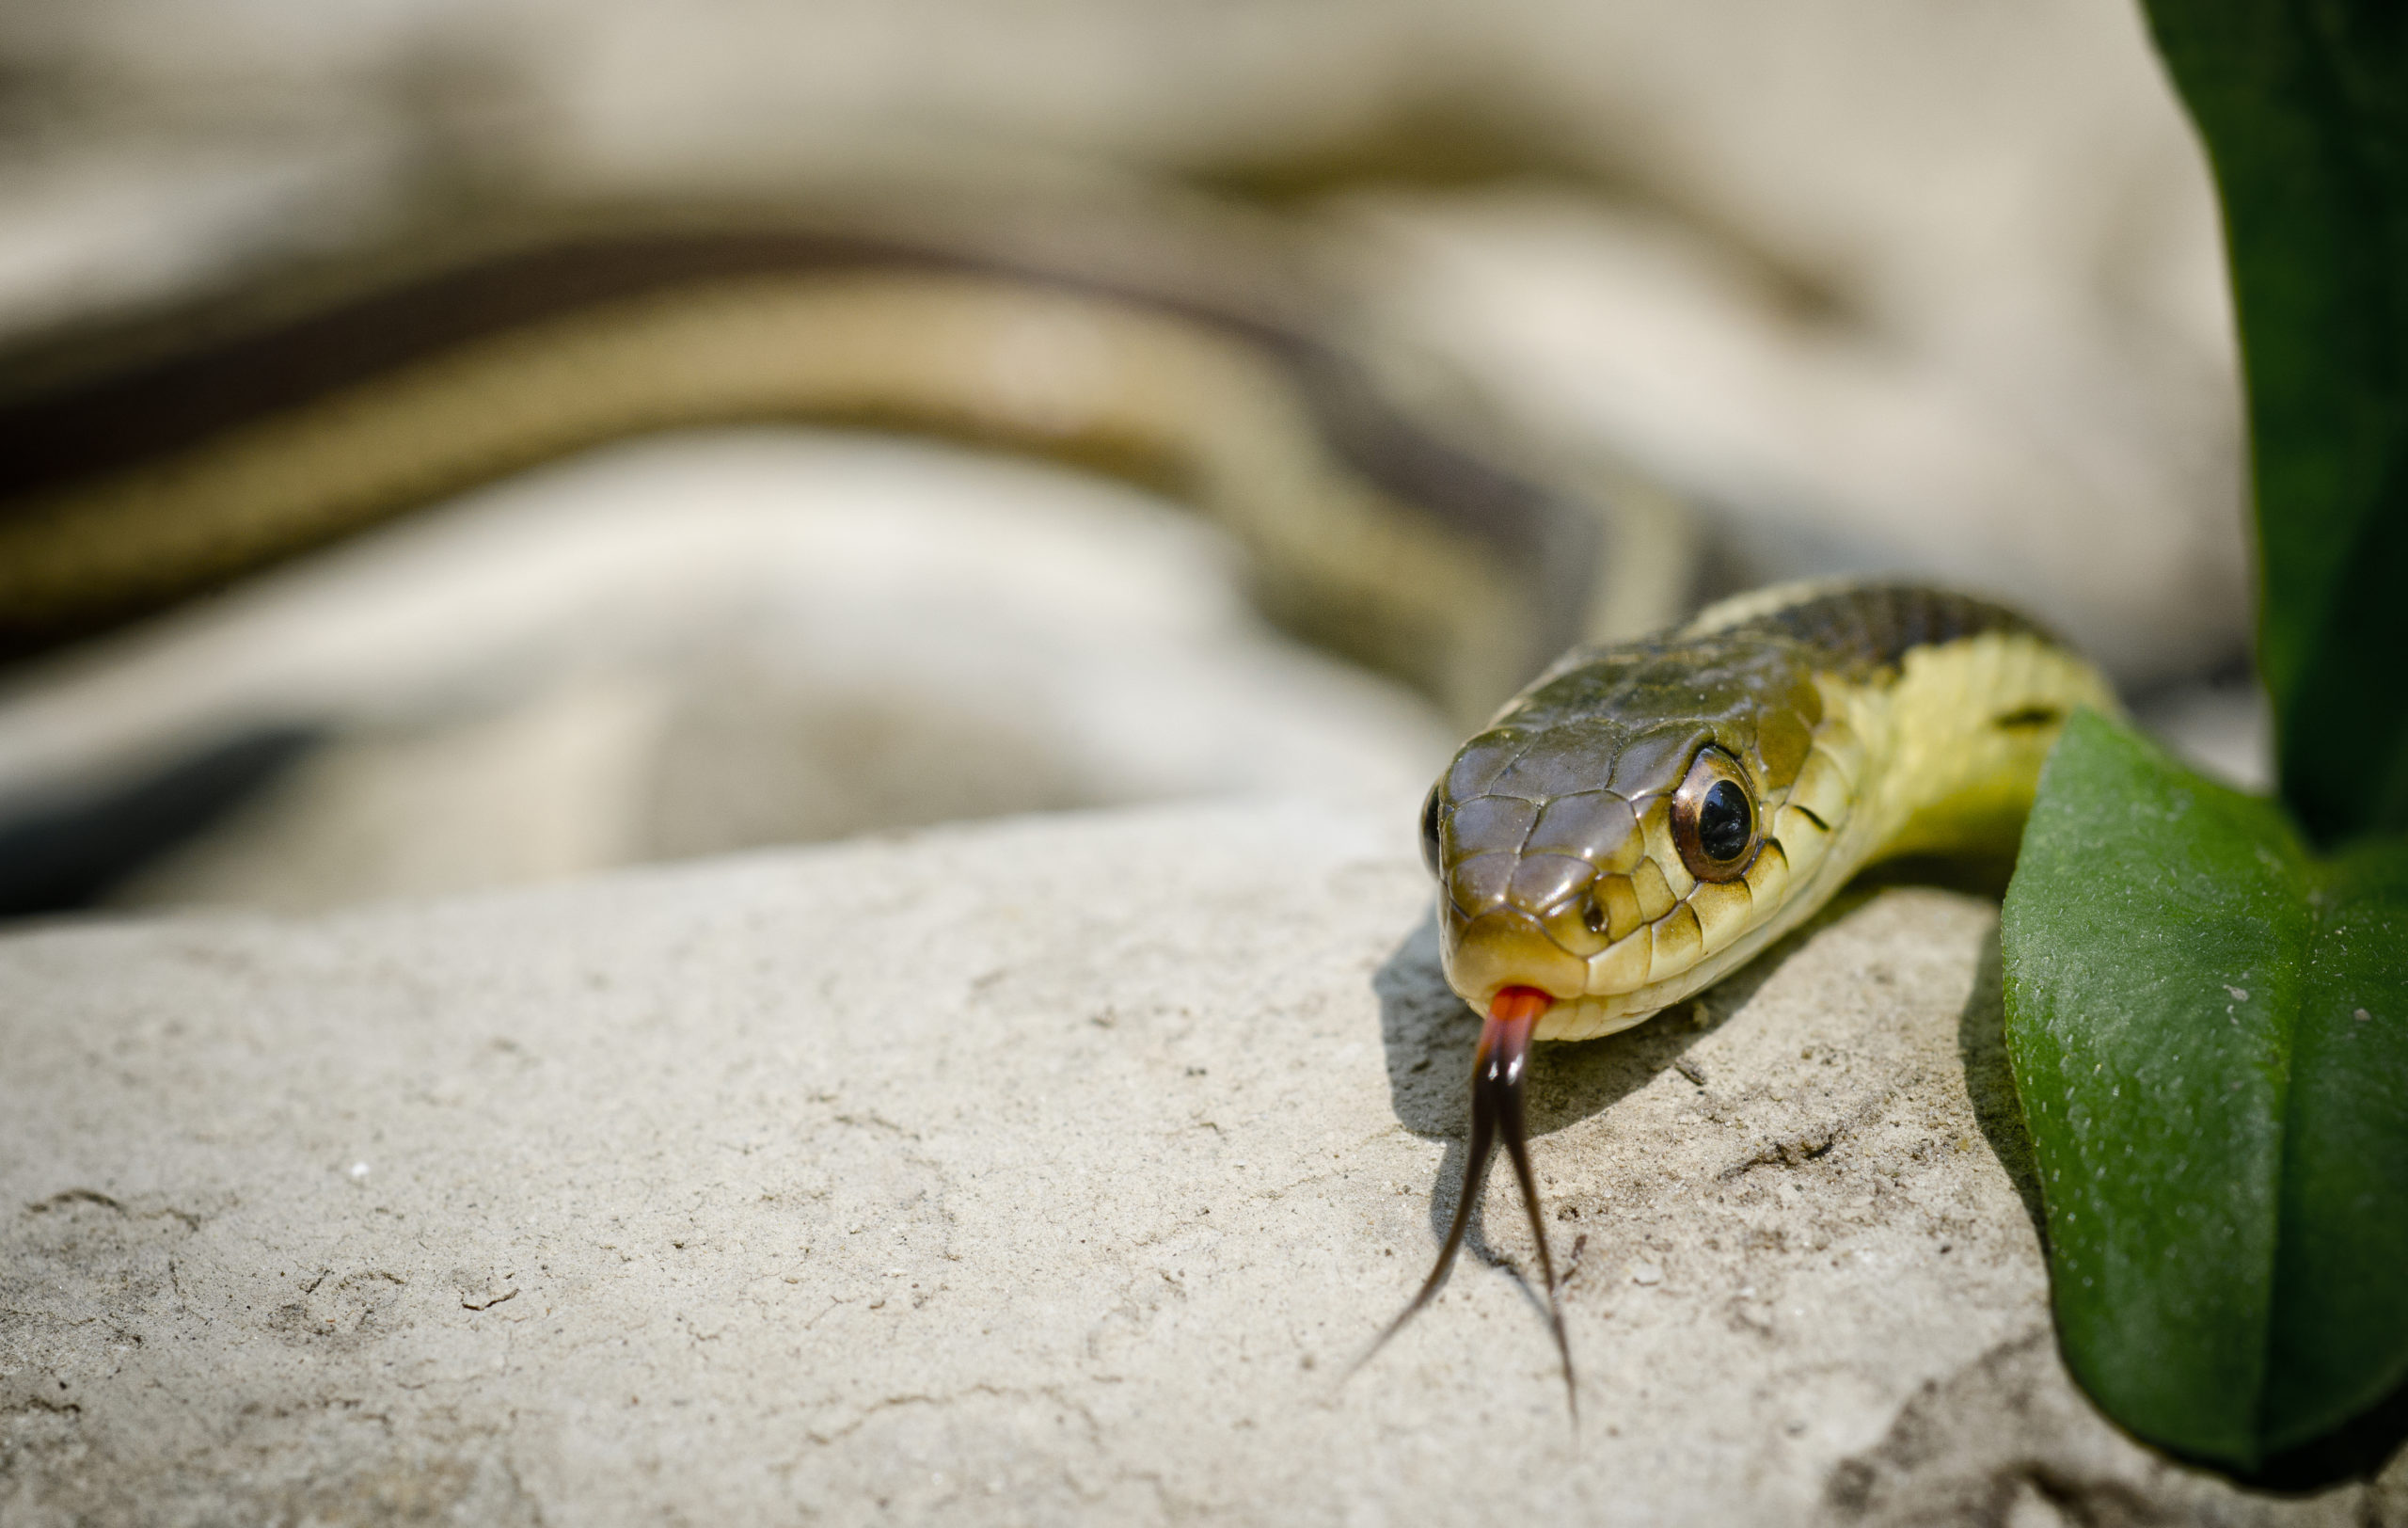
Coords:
1044,1171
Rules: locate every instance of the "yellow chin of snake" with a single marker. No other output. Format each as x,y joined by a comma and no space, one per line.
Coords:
1936,751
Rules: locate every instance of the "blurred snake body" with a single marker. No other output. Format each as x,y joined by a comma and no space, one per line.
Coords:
148,460
1636,823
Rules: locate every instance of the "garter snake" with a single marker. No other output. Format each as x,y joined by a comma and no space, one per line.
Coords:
1646,816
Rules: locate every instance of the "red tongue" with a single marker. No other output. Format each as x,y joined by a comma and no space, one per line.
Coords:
1518,1005
1496,1116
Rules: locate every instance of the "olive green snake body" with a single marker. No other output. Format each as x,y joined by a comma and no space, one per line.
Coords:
1637,823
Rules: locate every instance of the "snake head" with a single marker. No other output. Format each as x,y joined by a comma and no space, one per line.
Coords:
1631,826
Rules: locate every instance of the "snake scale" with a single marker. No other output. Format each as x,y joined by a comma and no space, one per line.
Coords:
1638,821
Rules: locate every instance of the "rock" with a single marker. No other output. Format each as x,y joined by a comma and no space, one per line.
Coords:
1050,1170
709,641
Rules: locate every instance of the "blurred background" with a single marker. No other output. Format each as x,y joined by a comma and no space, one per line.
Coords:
1816,286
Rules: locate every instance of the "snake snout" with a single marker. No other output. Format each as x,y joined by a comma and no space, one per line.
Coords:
1534,845
1508,948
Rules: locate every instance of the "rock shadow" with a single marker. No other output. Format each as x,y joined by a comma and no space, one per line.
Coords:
63,852
1990,1084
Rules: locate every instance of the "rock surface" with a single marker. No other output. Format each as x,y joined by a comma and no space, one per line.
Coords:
1052,1171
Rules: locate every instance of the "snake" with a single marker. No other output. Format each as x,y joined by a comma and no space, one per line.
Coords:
1646,815
1645,818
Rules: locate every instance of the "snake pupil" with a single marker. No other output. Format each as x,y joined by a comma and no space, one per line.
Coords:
1429,828
1723,822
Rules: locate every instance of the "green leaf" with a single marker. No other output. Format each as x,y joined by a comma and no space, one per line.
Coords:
2304,105
2209,1029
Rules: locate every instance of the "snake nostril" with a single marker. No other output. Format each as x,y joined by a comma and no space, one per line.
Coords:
1592,913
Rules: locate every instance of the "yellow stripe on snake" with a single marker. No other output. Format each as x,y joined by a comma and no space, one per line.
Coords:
1643,819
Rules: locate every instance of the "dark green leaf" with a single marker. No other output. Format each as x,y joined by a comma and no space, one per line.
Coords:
2208,1029
2303,104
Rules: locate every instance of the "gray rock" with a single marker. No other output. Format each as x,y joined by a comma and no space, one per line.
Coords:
1051,1171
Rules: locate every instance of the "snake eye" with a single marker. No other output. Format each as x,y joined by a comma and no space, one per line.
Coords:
1714,818
1429,826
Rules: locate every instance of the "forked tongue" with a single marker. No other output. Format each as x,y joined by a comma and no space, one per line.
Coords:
1496,1111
